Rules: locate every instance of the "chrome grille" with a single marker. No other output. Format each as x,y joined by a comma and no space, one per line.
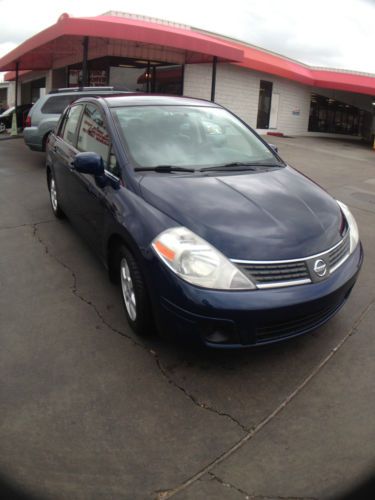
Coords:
273,274
338,254
278,272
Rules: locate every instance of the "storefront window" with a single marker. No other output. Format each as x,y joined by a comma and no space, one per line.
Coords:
149,78
131,74
335,117
97,78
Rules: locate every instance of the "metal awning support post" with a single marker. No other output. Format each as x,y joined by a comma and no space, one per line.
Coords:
153,79
16,96
213,81
148,77
85,72
14,129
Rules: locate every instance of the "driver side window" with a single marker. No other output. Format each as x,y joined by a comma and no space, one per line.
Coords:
92,135
71,122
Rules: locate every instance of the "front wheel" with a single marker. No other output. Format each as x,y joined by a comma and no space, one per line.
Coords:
54,197
134,294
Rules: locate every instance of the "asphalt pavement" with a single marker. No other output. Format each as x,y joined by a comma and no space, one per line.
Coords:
90,411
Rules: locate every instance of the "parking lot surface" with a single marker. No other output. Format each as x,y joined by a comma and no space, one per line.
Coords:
89,411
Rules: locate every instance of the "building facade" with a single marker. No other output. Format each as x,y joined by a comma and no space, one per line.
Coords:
273,94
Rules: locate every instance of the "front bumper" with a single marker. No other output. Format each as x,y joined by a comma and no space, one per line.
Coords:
233,319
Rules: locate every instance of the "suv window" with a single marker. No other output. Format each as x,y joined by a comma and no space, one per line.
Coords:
93,135
71,124
56,104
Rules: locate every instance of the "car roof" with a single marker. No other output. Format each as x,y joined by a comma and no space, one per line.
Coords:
89,91
153,100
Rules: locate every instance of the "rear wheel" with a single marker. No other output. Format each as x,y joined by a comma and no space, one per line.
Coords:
54,197
134,293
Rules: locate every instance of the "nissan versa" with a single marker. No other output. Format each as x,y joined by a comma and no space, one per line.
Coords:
212,236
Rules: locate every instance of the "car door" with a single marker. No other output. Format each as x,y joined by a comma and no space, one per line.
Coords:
63,151
90,194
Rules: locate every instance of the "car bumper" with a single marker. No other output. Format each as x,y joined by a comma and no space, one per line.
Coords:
234,319
33,139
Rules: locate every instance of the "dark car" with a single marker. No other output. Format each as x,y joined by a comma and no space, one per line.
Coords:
210,234
7,116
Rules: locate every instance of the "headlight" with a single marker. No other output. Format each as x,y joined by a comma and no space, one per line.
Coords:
353,228
196,261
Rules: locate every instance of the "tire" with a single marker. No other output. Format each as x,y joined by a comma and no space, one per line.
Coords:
54,197
134,293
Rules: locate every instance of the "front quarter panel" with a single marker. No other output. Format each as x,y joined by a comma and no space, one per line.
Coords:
136,221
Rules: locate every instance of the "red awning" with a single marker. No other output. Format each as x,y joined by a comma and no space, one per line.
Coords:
39,51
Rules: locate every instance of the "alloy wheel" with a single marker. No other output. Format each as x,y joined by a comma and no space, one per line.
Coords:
53,194
128,290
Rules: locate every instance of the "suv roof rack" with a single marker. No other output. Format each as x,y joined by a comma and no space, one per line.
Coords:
80,89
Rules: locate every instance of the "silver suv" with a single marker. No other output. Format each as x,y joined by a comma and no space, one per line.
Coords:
45,113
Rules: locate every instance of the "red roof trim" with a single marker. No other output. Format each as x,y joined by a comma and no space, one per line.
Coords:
276,65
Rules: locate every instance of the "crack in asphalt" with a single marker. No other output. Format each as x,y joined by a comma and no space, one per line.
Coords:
249,496
196,401
164,495
28,224
74,287
231,486
161,368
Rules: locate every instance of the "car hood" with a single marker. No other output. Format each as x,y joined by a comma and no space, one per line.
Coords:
265,215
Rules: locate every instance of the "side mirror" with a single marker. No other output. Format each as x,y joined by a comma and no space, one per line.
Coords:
89,163
275,148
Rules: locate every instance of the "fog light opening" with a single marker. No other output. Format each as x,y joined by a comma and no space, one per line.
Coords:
220,334
218,337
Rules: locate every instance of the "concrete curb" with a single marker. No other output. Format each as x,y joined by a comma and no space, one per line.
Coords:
8,137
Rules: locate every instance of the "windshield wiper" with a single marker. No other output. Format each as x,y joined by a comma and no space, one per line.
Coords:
164,169
238,165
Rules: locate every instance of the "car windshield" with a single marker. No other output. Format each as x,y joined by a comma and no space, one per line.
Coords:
189,136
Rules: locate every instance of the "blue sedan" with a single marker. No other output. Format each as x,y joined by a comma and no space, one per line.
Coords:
211,236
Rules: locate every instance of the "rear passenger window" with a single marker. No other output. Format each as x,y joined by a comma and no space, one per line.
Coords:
93,136
71,124
56,104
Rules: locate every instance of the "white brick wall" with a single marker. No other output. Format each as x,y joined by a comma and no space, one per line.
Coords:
197,80
238,90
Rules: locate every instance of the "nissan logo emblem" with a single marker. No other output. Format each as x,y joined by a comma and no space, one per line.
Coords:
320,267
